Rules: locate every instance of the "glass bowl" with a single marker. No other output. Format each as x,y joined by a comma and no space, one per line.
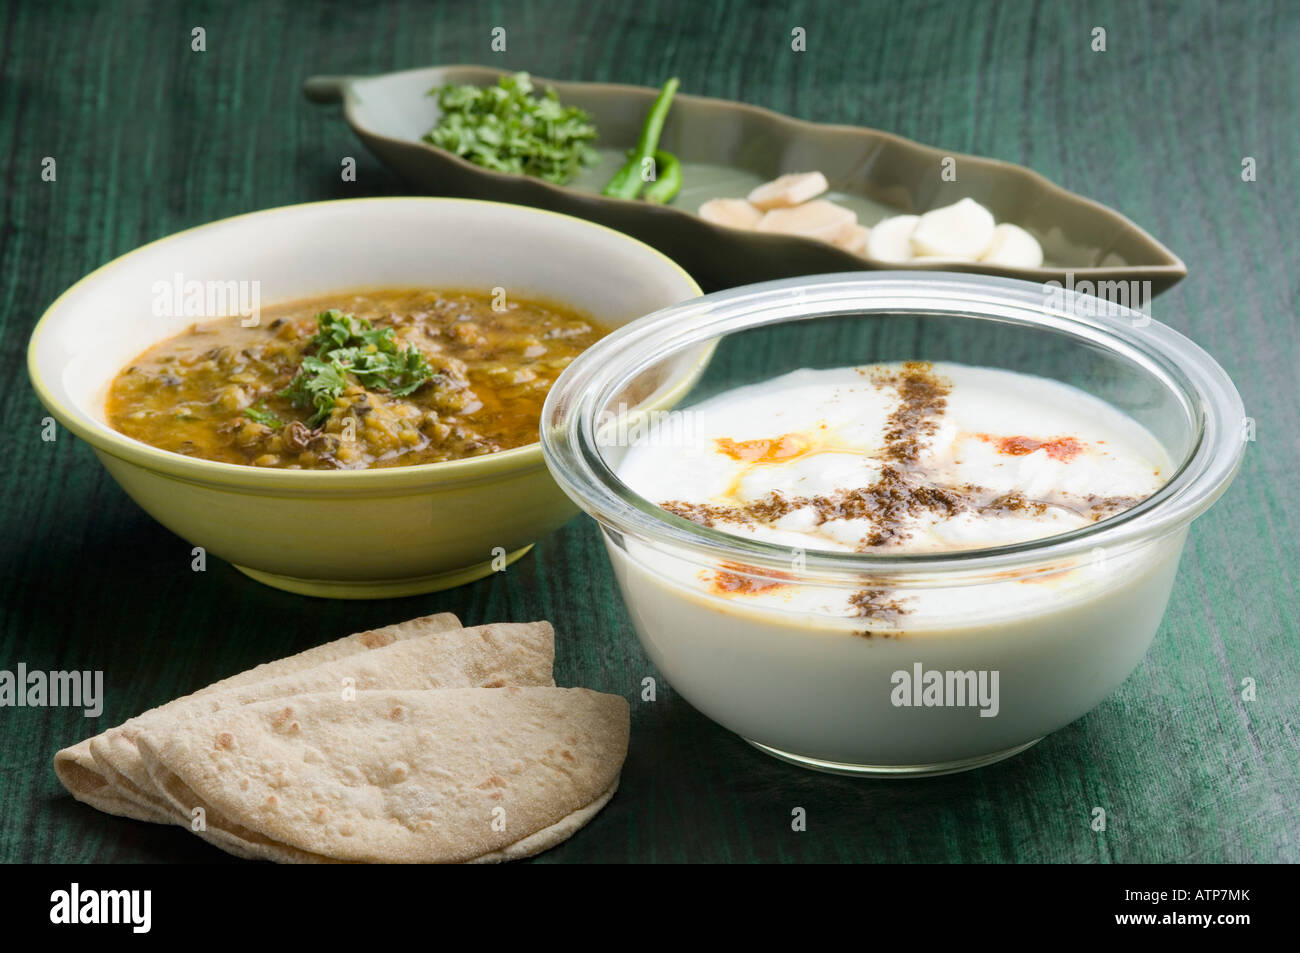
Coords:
1018,640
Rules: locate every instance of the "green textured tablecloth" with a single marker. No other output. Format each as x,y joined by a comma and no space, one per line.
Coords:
150,137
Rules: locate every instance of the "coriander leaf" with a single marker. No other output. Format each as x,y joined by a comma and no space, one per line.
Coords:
261,414
506,129
352,347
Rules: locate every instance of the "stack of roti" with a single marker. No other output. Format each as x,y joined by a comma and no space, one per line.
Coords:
422,742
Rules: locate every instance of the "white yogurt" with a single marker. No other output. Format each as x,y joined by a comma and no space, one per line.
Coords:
894,459
1022,457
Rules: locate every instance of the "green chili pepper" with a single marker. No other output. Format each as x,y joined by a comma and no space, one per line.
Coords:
668,179
627,180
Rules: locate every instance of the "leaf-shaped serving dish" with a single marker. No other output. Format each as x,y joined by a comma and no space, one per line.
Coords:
727,148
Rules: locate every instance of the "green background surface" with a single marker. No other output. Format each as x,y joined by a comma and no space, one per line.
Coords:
151,138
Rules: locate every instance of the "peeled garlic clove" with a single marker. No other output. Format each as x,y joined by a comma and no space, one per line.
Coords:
788,190
891,238
817,219
1013,247
962,230
856,240
734,213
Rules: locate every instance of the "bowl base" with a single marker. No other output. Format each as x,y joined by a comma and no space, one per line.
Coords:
895,770
379,588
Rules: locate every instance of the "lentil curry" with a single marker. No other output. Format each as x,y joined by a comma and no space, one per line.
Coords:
351,381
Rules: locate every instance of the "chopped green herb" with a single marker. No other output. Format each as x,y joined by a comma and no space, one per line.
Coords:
260,413
345,346
505,128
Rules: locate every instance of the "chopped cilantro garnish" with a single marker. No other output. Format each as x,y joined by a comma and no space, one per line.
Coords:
260,413
346,345
506,129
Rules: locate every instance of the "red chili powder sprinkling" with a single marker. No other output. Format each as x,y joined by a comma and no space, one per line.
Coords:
778,450
1045,577
738,579
1058,448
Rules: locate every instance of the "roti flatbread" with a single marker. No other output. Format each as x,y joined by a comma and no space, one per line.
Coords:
487,656
86,781
453,775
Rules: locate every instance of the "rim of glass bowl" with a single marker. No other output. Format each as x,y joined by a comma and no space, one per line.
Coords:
1203,389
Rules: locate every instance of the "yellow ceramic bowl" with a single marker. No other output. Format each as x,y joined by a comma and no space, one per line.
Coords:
347,533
